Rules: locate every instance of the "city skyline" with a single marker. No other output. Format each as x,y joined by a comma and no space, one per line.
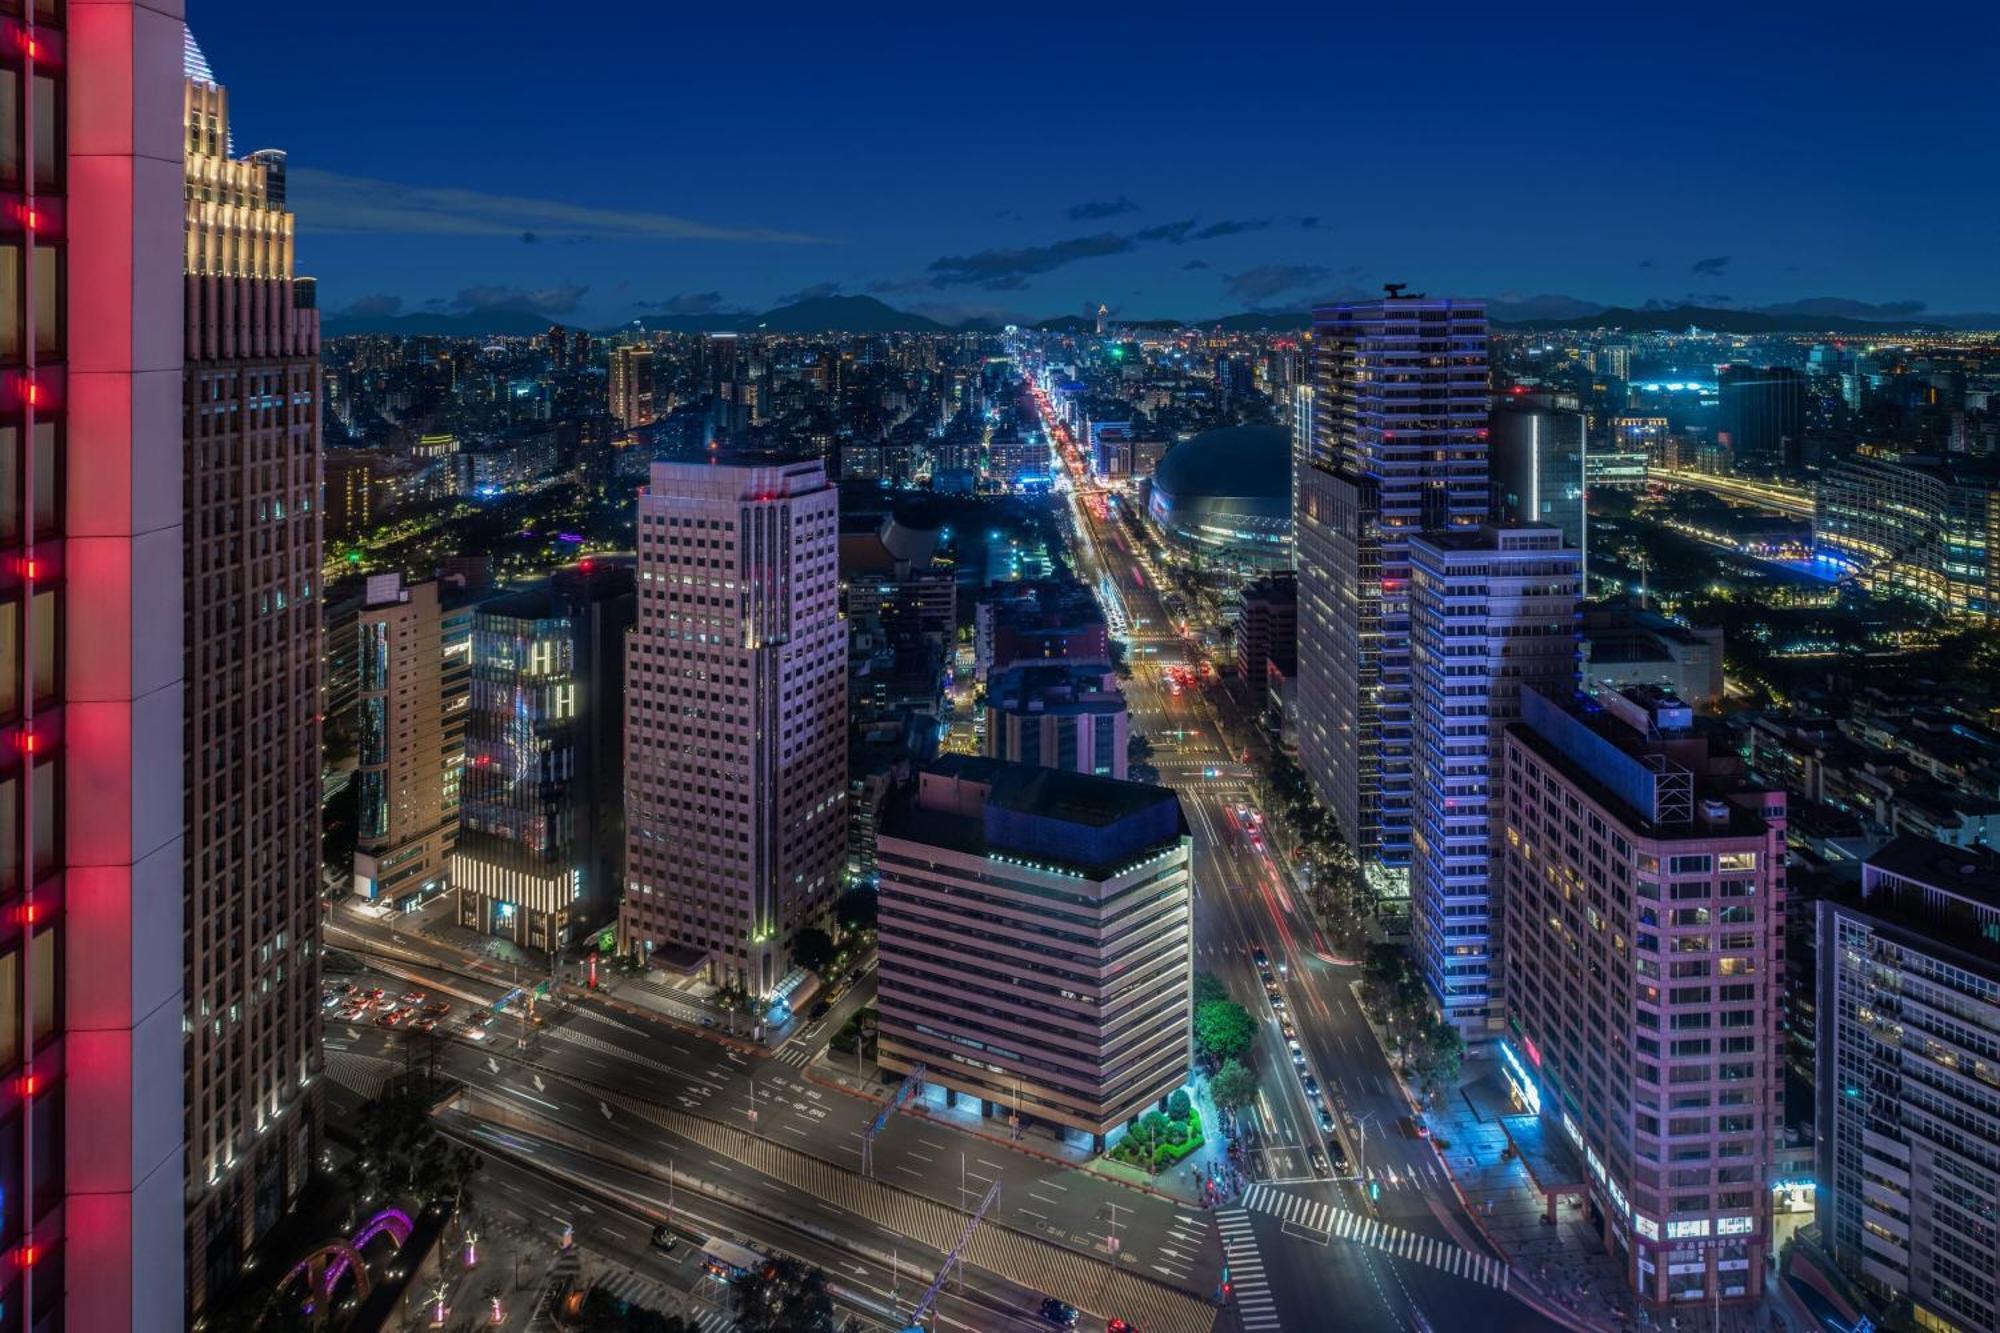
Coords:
1714,143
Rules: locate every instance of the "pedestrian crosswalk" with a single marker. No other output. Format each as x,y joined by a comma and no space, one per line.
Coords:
365,1074
1250,1286
1314,1215
797,1054
625,1285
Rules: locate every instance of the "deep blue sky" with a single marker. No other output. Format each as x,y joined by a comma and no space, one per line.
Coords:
677,154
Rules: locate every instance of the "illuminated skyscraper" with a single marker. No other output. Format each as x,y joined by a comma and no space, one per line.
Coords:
414,646
1490,612
251,426
1398,447
736,718
91,926
632,385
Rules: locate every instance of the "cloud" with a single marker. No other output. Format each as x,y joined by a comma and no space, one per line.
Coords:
1173,233
1847,307
1100,208
1194,264
817,291
1709,298
378,306
529,238
1007,269
1230,227
1255,285
1310,223
684,303
559,300
883,286
1709,268
1645,263
328,201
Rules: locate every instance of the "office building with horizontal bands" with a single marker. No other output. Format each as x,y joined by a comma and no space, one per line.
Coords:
1908,1056
736,718
1036,941
1398,447
1491,612
1645,983
254,700
1915,524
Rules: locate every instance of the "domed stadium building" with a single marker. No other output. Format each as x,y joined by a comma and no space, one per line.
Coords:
1225,497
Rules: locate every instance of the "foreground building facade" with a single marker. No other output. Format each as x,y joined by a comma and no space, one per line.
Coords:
1909,1080
91,836
1645,981
1036,941
736,718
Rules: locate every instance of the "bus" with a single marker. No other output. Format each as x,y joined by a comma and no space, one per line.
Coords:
726,1261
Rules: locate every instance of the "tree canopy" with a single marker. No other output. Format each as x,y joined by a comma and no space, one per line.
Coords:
1224,1030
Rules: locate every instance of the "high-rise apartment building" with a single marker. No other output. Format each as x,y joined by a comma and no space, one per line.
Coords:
542,800
632,385
251,533
1908,1058
736,717
1037,941
1398,448
1491,612
415,649
1644,883
91,1002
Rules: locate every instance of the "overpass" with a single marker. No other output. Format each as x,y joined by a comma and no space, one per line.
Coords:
1791,501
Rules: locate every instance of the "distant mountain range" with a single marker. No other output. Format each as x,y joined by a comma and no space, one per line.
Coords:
865,314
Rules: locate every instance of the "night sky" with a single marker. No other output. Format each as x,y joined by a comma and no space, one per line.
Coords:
607,158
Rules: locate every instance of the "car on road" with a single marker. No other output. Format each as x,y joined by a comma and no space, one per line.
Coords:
1419,1127
1059,1313
1319,1163
1263,959
1298,1058
664,1239
1325,1121
1117,1326
1291,1033
413,998
1277,1000
1309,1083
820,1009
1270,979
1340,1159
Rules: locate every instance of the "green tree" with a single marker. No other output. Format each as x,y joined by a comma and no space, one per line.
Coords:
1207,987
812,949
401,1152
1153,1127
1179,1107
1233,1087
856,908
786,1296
1224,1030
1137,748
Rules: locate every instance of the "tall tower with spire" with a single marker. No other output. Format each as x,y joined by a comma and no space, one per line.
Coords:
251,600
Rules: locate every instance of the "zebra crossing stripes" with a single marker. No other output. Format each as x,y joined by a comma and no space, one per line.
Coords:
625,1285
365,1075
797,1054
1250,1287
1317,1216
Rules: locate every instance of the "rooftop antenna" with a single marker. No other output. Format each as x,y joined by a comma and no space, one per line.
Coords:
1394,289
